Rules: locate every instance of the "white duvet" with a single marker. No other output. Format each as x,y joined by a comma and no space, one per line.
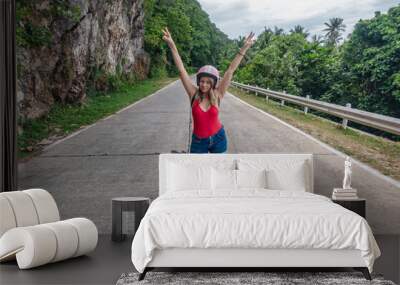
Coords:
253,218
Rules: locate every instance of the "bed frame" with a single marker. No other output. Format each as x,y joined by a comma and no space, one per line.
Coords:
241,259
245,259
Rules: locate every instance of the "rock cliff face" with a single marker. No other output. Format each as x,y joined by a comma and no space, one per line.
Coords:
105,36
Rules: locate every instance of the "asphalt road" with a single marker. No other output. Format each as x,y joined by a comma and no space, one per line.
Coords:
118,156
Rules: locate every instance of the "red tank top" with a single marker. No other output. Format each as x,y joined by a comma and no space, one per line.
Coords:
206,123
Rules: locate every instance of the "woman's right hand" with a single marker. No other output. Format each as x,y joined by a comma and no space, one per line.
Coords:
249,41
167,37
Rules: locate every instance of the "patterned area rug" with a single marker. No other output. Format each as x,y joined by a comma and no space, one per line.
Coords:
275,278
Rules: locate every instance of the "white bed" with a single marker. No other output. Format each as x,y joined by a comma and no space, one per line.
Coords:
202,220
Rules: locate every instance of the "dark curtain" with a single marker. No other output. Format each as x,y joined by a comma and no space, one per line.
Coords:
8,116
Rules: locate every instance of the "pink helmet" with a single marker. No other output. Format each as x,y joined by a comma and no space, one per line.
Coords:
209,71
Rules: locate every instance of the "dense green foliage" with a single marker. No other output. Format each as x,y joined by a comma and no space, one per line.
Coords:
364,70
371,64
289,62
198,40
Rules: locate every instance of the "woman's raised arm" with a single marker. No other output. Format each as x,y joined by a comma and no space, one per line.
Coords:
185,78
226,80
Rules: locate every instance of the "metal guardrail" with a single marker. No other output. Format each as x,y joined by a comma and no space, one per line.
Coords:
380,122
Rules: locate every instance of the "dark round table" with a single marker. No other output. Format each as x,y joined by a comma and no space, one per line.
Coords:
137,205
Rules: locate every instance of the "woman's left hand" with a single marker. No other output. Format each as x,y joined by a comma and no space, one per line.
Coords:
248,42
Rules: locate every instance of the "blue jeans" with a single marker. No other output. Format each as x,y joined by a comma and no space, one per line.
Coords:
216,143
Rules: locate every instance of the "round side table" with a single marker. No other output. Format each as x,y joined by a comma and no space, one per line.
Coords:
137,205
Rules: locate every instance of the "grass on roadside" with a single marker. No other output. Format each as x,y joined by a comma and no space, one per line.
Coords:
64,119
380,153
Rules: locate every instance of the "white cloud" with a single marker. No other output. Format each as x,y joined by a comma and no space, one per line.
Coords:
235,17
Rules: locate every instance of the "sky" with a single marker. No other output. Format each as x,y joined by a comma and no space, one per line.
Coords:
240,17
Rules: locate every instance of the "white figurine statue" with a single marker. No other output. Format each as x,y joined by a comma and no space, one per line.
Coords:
347,174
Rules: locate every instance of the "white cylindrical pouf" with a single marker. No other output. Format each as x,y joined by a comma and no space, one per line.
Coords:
38,245
67,239
87,233
6,215
23,207
45,205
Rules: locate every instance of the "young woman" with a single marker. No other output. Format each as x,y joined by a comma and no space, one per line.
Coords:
208,132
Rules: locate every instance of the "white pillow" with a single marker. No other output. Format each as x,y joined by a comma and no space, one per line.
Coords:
291,178
286,174
251,178
224,179
184,177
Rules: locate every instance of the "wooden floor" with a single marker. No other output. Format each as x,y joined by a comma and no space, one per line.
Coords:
110,259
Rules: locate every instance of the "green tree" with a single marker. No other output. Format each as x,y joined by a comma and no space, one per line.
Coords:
198,40
277,65
334,30
278,31
300,30
371,59
363,71
318,39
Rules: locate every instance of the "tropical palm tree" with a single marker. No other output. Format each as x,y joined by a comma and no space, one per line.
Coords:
264,38
317,39
300,30
333,30
278,31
